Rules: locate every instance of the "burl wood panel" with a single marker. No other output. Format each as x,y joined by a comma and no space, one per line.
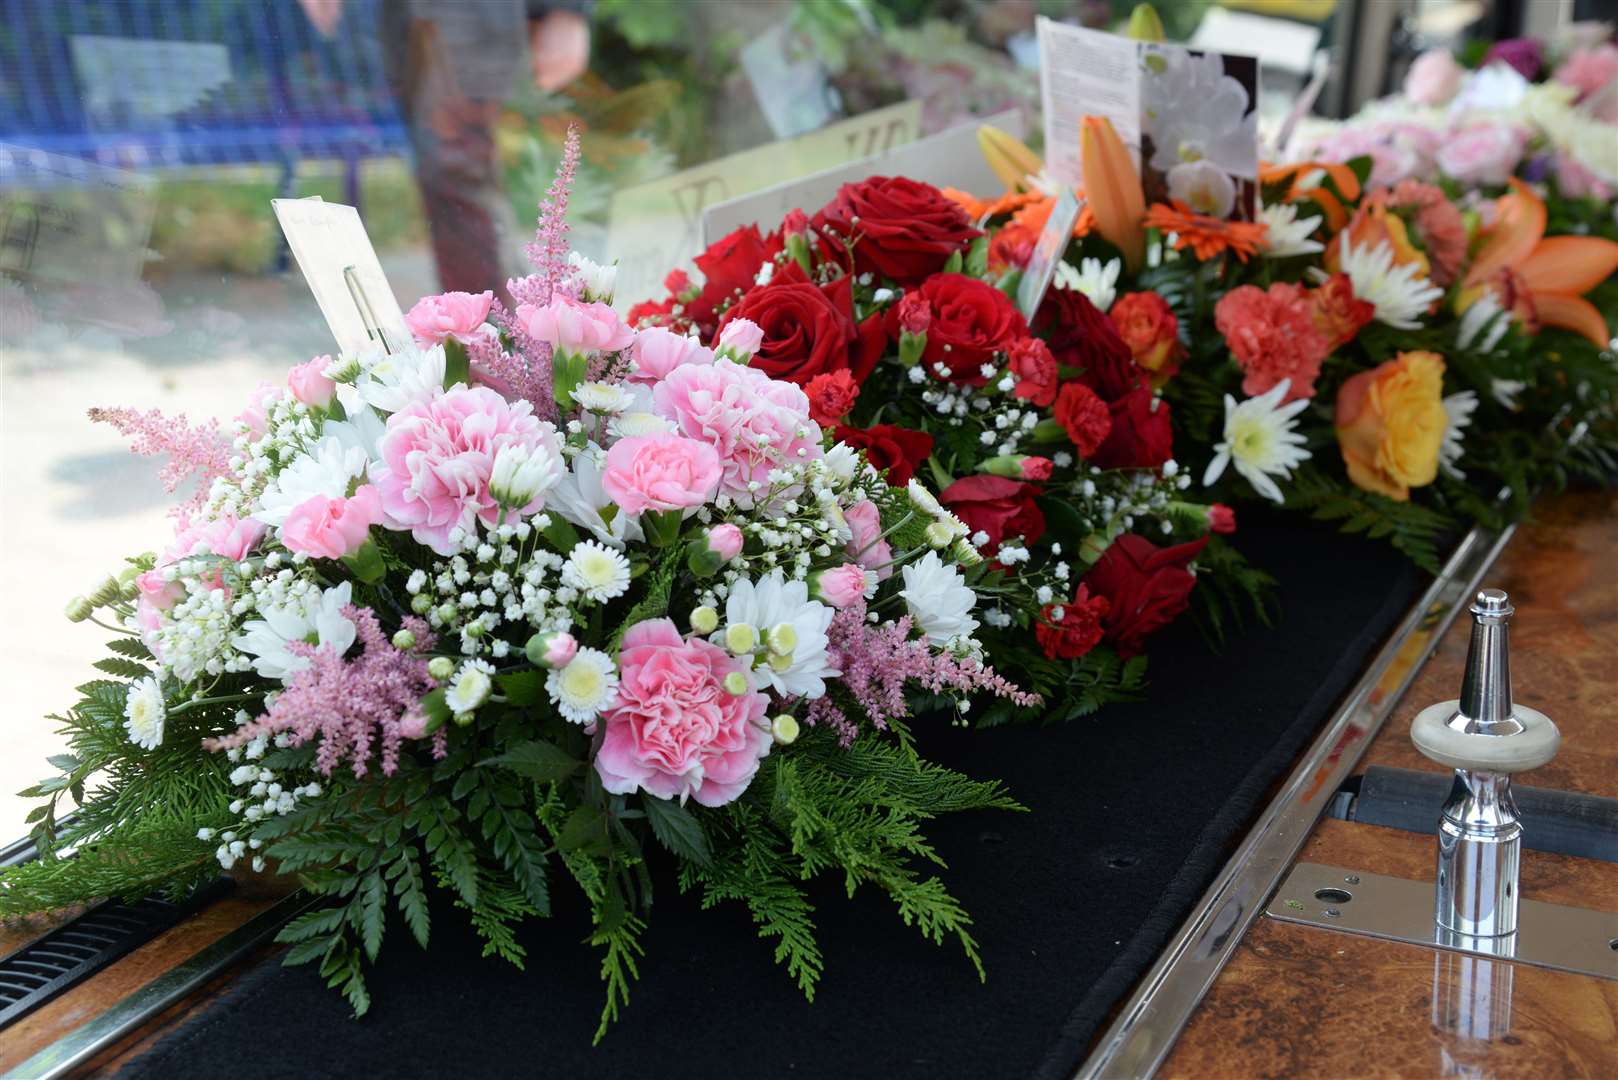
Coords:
1299,1001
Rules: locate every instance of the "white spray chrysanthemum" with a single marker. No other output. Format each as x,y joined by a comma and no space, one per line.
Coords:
1097,280
470,687
1286,235
585,687
600,397
1458,410
144,713
1401,294
938,599
597,571
1261,440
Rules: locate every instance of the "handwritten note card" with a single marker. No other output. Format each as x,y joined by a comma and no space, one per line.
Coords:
337,259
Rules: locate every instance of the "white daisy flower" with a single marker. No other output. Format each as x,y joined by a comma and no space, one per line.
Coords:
1458,407
596,281
1286,235
585,687
470,687
1261,440
793,631
597,571
391,381
843,461
922,499
1401,294
1096,280
321,623
939,600
144,713
327,470
632,424
600,397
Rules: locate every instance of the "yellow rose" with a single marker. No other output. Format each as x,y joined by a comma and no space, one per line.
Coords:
1390,424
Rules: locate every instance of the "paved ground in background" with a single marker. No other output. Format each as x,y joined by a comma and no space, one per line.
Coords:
74,501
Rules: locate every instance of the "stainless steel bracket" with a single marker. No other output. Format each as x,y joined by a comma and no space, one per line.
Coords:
1553,936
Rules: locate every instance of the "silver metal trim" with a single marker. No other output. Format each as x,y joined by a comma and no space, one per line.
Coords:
1145,1029
80,1046
1554,936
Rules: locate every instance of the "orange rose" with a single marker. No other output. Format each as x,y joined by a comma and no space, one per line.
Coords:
1148,326
1390,424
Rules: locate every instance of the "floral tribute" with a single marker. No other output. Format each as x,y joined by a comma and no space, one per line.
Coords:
541,597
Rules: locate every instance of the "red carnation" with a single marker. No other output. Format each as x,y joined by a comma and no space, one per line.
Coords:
895,450
1081,336
1146,588
996,506
1085,416
1141,435
1273,336
1078,630
831,396
915,315
1037,468
1034,368
969,321
899,229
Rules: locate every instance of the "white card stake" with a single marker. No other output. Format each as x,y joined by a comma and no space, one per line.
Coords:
1048,251
1085,71
337,259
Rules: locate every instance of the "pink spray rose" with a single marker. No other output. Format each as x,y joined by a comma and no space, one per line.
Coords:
438,456
676,731
841,585
457,315
753,421
659,351
1483,154
160,594
575,327
660,472
740,338
331,528
309,384
1434,78
725,541
866,523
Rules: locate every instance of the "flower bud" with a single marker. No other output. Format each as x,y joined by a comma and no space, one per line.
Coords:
128,579
785,729
739,340
440,667
725,541
1017,466
447,611
741,638
404,640
783,639
704,620
939,535
520,475
551,649
965,553
105,592
79,609
736,684
421,603
780,662
1221,518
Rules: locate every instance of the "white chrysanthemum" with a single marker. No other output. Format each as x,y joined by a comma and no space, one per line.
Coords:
1261,440
392,381
327,470
585,687
1458,408
922,499
521,474
266,639
600,397
1286,235
144,713
1098,281
470,687
842,460
1401,294
770,603
939,600
597,571
581,500
631,425
1506,391
596,281
1482,324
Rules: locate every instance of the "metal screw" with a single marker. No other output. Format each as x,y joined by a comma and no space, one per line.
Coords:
1331,913
1352,879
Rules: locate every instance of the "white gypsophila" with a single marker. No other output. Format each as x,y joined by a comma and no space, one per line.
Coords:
310,612
1482,324
1286,234
1458,410
581,500
144,713
522,473
584,687
772,602
1098,281
1401,294
600,397
470,687
327,470
939,599
597,571
596,282
392,381
1261,439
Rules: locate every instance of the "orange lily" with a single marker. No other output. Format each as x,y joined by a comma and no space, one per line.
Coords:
1554,272
1341,176
1113,188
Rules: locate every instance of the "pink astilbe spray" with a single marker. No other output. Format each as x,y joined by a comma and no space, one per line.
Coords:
350,705
200,450
879,660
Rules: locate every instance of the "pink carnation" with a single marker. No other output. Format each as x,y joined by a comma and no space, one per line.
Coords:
437,457
660,472
1483,154
457,315
659,351
841,585
865,520
575,327
331,528
1589,70
259,402
310,385
753,421
1273,336
676,731
227,537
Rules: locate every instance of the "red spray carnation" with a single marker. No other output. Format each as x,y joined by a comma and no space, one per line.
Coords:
1273,336
996,506
1148,327
897,451
1034,368
1146,588
809,329
1337,312
1037,468
968,322
1080,335
831,396
900,229
1077,631
1141,434
1085,416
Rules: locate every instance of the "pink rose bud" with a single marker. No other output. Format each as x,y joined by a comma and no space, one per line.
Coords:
1221,518
413,724
658,351
331,528
310,385
795,238
552,649
256,415
841,586
725,541
457,315
740,339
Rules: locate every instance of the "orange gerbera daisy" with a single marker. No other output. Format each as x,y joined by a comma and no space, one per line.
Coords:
1206,236
1034,215
978,209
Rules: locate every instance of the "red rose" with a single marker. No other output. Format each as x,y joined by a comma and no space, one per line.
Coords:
1141,435
895,450
729,268
1081,336
809,329
1146,588
1078,630
1148,327
1034,368
1085,416
997,506
968,322
831,396
899,228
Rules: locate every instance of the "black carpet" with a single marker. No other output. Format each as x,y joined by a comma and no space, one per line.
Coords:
1133,813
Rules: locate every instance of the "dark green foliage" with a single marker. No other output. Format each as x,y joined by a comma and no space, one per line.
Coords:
1409,526
1229,591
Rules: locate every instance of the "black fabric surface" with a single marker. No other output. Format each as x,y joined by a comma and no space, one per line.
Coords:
1132,815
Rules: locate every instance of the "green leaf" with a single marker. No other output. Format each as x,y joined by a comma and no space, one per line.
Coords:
457,365
132,647
677,829
977,257
583,831
121,667
523,688
537,760
66,762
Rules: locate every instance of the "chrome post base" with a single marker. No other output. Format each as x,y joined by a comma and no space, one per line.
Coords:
1479,855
